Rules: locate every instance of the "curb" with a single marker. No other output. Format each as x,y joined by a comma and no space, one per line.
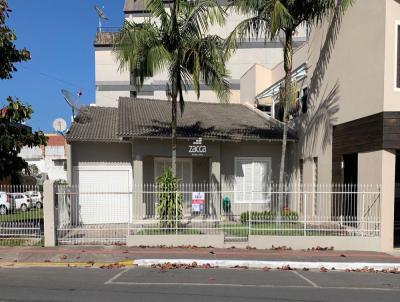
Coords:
272,264
117,264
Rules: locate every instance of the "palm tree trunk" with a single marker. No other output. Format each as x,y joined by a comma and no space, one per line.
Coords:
173,132
288,56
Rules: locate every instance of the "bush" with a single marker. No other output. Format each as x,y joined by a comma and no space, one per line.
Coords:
267,216
170,200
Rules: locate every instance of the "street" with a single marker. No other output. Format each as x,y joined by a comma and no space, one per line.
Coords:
145,284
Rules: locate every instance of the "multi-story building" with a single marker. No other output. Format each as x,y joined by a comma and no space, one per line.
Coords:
51,159
112,83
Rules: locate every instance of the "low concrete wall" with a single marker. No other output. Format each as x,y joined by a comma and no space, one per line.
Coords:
372,244
216,240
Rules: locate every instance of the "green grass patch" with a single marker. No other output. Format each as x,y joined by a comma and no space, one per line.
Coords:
154,231
34,214
21,242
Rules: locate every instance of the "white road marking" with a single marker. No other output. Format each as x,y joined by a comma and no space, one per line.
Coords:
112,279
306,279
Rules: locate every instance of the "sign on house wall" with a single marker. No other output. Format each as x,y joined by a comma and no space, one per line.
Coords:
197,148
198,202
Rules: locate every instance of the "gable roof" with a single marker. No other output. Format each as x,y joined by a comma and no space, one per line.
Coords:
152,118
148,118
100,124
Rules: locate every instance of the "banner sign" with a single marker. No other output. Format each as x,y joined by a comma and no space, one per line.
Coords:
198,201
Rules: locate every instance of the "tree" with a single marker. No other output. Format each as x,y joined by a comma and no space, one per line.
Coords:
269,19
9,53
175,40
13,133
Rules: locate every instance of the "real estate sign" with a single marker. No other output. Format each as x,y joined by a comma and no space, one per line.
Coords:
198,201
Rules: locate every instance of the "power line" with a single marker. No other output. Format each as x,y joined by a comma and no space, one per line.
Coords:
49,76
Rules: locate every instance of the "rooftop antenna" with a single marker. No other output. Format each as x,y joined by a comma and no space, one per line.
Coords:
59,126
102,16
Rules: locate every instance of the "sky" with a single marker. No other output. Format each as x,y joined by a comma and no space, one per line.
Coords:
59,34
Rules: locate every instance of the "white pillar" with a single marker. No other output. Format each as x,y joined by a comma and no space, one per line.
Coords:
49,215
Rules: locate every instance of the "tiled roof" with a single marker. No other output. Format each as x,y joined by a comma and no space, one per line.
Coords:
152,118
95,124
55,140
132,6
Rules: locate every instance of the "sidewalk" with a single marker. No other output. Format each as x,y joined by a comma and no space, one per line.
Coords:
100,256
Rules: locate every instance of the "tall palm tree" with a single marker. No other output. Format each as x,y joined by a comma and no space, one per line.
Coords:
271,19
174,39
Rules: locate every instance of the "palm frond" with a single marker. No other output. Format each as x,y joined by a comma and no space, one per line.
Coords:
202,13
139,49
281,18
157,9
253,27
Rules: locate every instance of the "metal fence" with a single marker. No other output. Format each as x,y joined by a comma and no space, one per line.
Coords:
92,215
21,215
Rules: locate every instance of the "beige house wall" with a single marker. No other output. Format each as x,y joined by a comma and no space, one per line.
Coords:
391,93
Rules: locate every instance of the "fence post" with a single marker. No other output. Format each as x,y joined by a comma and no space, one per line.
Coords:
305,212
49,216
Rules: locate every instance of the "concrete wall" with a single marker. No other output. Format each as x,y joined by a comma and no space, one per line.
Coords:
86,153
391,93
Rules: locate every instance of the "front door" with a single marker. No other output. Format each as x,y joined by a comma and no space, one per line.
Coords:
350,178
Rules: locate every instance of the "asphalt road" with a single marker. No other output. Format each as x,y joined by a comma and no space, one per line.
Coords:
139,284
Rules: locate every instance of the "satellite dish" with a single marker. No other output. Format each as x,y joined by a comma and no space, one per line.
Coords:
102,16
72,101
59,125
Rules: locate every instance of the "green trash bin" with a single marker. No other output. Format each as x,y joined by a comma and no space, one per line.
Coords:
226,205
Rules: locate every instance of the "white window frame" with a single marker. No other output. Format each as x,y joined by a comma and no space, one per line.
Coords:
396,49
268,160
168,159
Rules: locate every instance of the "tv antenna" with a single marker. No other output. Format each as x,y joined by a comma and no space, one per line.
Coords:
59,125
102,15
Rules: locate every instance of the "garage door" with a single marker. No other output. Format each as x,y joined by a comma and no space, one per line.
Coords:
104,194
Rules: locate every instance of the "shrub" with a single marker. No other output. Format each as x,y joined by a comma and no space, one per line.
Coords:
170,200
267,216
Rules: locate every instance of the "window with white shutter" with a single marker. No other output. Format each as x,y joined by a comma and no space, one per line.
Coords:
252,179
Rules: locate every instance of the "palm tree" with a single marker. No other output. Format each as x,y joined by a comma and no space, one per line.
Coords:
175,39
271,19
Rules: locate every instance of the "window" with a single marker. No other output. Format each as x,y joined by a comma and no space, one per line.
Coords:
315,184
304,100
183,168
252,179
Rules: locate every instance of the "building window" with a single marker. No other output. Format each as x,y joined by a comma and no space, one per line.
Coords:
183,168
315,185
252,179
397,68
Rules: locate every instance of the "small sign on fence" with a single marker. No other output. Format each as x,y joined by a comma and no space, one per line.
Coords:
198,201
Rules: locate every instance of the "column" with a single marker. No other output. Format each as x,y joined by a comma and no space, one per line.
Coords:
49,215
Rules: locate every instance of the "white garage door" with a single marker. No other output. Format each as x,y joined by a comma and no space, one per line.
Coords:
104,194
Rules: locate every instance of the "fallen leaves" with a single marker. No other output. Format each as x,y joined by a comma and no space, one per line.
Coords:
174,266
281,248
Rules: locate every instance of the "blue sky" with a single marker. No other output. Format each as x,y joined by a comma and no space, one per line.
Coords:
59,34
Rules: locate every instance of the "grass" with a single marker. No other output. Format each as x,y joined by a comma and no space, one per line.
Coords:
181,231
21,242
34,214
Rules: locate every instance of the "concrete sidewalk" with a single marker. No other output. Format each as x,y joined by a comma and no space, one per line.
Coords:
101,256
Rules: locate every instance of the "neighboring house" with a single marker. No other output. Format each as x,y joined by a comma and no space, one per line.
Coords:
348,124
112,83
50,159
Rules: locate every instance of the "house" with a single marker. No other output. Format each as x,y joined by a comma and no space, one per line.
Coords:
348,81
51,159
346,130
